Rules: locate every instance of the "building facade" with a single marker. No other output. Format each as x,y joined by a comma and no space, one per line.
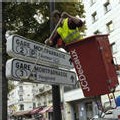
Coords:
102,17
43,95
21,98
28,97
77,107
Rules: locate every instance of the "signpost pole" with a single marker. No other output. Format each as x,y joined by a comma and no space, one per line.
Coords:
55,88
3,81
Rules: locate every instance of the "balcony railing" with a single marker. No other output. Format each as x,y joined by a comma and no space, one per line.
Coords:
43,90
20,92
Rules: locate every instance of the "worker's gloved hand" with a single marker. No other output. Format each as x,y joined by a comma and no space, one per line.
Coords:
48,42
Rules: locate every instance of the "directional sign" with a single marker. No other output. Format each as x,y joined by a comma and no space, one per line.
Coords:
21,47
18,69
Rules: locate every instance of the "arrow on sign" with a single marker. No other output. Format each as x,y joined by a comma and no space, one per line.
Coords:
21,47
18,69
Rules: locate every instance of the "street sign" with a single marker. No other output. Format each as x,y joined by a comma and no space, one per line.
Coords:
21,47
18,69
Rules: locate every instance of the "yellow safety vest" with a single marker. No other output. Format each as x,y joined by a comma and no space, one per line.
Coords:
68,35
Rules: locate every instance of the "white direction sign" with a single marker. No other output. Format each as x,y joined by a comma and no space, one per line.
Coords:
18,69
21,47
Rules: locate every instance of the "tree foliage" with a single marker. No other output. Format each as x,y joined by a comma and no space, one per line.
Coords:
20,17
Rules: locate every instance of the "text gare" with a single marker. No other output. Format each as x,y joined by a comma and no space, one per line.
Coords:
41,69
28,44
22,43
23,66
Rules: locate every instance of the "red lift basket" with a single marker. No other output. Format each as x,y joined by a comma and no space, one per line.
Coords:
93,61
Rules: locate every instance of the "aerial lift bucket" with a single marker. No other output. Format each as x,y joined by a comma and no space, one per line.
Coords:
93,61
95,68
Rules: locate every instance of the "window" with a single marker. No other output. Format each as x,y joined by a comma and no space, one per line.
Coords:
20,97
21,107
107,7
94,17
89,110
41,89
113,48
97,32
50,101
92,2
34,105
21,88
110,26
39,104
45,103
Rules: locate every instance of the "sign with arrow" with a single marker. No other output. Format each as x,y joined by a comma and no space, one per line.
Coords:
21,47
27,71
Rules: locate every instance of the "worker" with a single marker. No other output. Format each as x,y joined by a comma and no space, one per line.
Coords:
67,31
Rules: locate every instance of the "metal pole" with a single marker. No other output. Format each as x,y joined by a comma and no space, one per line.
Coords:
3,81
55,88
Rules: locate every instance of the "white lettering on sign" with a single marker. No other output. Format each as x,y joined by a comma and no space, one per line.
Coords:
19,69
18,46
80,71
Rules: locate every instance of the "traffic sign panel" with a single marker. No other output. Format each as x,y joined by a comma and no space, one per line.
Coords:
18,46
18,69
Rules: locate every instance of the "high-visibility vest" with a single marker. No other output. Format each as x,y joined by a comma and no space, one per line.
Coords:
68,35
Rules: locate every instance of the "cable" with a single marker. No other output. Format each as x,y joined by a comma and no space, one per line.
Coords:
27,77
